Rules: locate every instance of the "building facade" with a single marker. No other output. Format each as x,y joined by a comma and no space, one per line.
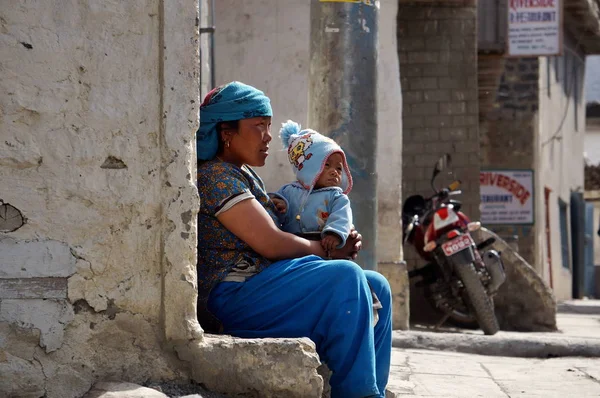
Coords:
537,124
520,118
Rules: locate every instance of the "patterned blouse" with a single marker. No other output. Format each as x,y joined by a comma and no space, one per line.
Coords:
221,254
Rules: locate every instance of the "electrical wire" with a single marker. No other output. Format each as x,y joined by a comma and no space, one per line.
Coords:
558,131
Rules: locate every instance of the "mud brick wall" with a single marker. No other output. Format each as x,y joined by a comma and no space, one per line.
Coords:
507,135
437,47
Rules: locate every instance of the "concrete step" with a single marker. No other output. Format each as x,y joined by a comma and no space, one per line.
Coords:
590,307
268,367
509,344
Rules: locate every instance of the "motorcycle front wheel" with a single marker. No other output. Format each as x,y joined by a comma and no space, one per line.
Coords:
480,302
460,316
463,319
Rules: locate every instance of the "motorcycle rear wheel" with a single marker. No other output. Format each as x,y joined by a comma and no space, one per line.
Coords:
480,302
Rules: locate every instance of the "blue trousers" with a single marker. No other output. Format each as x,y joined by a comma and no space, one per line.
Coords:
327,301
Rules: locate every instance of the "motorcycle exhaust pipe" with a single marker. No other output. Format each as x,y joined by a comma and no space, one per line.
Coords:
493,263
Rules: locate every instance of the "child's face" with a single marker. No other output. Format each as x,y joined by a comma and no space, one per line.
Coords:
332,172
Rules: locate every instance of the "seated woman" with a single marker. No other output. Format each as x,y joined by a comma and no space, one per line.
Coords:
257,281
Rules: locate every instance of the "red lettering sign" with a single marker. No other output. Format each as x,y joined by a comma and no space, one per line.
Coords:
514,4
505,182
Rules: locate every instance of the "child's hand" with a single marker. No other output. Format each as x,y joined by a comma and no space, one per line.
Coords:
330,242
279,205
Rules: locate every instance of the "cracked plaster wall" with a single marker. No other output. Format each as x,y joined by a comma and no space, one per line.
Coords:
98,107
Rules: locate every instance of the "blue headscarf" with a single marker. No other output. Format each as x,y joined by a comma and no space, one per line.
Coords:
233,101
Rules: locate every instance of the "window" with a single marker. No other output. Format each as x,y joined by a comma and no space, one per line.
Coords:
564,233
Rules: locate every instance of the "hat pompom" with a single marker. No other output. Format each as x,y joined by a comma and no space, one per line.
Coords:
288,129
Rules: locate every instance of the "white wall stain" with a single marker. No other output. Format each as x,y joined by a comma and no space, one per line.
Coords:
363,24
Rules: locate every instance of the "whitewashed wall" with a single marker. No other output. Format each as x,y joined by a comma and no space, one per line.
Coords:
96,150
265,43
559,164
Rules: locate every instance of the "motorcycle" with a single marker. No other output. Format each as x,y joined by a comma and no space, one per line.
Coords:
460,277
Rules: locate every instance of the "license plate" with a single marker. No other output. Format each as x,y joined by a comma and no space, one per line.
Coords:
457,244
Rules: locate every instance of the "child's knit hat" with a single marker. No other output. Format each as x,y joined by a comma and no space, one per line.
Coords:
307,151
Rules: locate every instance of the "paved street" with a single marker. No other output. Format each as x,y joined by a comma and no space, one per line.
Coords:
424,373
436,373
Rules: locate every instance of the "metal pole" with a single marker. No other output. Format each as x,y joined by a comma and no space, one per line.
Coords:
342,101
212,45
200,47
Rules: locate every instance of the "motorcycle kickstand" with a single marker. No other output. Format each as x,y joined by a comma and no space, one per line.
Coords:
441,322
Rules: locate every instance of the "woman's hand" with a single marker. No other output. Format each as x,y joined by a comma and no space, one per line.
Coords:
351,248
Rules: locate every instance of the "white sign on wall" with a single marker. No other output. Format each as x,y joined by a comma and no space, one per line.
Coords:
506,196
534,27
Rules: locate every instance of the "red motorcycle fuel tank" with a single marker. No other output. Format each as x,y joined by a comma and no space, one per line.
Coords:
444,220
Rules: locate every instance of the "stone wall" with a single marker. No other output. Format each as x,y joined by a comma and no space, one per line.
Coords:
98,109
437,47
508,136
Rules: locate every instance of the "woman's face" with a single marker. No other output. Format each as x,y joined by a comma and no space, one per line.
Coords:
250,145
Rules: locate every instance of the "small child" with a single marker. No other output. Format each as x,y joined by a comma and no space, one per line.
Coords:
317,201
